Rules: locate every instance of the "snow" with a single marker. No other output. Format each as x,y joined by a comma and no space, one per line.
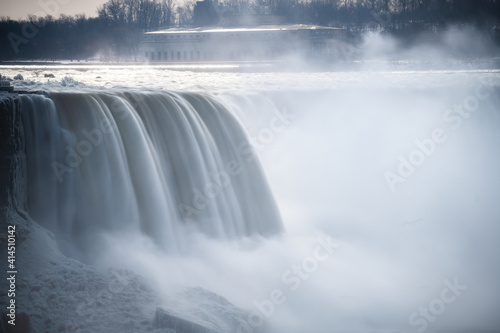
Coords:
192,77
64,295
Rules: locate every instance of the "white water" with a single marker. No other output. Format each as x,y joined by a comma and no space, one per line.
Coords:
326,168
219,78
158,164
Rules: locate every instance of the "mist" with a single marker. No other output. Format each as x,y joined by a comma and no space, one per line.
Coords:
465,44
402,185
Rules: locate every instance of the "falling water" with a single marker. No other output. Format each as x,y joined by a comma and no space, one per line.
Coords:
160,164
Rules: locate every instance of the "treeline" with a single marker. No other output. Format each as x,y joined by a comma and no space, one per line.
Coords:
361,12
116,31
113,35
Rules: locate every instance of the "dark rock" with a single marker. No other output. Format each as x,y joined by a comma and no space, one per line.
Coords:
22,324
49,75
10,146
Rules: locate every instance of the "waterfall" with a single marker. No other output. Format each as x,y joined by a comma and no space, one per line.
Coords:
161,164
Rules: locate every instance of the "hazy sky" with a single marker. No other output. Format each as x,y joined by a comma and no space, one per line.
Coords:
21,8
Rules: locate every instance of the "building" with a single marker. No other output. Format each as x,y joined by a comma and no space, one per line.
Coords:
5,85
258,43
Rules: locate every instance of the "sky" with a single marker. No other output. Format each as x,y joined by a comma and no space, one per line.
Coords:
17,9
